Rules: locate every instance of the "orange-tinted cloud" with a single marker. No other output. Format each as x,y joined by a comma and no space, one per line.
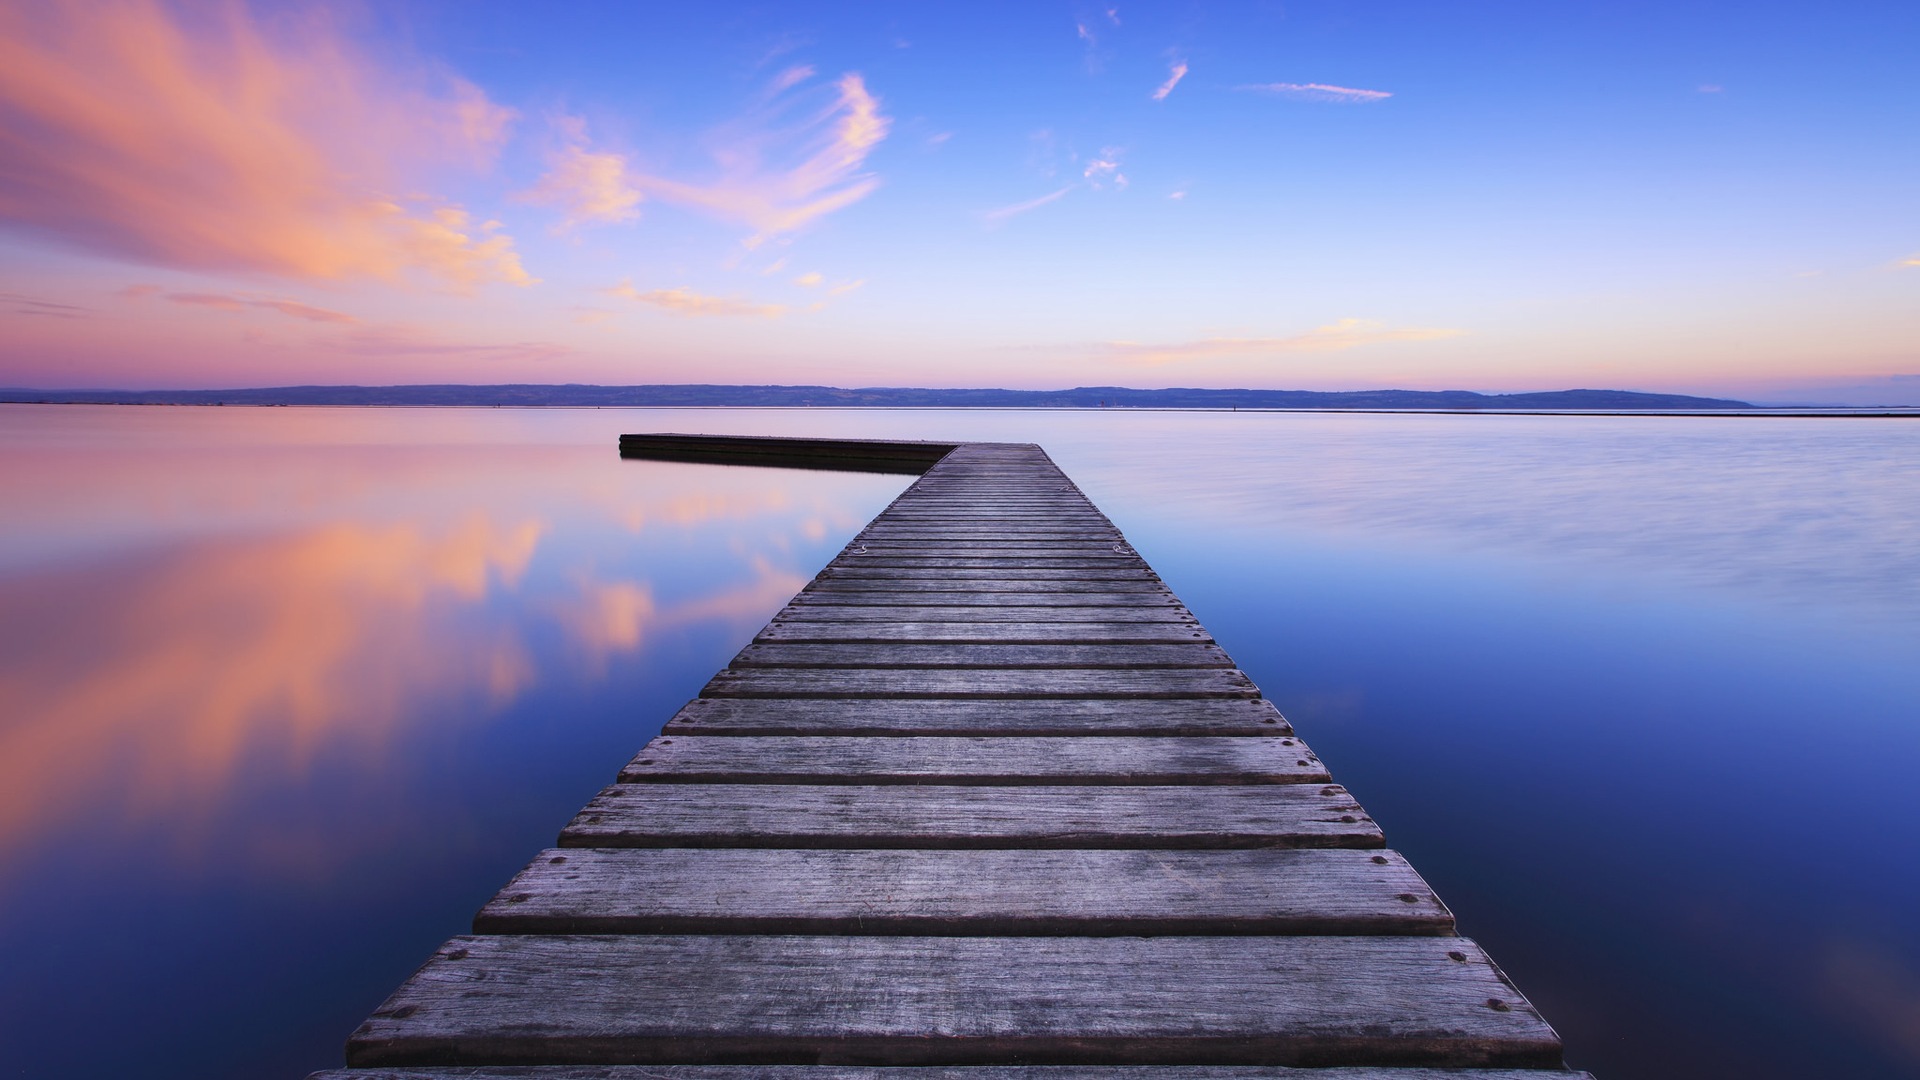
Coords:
1333,337
778,178
218,141
590,187
405,341
684,301
292,308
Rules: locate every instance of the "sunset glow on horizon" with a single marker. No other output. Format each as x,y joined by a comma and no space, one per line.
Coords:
1315,195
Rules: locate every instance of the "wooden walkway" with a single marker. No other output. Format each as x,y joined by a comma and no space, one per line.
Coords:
983,802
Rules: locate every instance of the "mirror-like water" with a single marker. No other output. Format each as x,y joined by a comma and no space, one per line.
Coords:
289,692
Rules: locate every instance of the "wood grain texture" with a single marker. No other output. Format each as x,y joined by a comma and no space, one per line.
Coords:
815,608
1117,571
982,655
953,1000
1137,600
1075,718
982,683
1005,585
912,816
994,633
896,555
979,760
972,893
930,1073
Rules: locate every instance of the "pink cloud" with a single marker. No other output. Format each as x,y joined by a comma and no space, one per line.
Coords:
220,143
684,301
777,178
1178,72
291,308
591,187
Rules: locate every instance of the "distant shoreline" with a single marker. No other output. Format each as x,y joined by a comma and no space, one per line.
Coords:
1751,412
1087,398
682,395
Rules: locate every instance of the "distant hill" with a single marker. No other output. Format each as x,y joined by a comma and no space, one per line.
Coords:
1084,397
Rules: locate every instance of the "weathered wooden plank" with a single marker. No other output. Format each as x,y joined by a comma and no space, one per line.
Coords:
953,1000
829,717
943,506
982,683
991,548
1007,893
928,1073
912,816
991,760
984,655
1005,633
818,610
1144,589
855,571
959,598
894,557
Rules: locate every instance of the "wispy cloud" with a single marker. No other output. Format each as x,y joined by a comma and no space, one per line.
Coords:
1174,75
790,78
406,341
590,186
811,279
1909,262
212,144
995,217
1338,95
1104,168
776,177
684,301
291,308
1333,337
845,287
19,304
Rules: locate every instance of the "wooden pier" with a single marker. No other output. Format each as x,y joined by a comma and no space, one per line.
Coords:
983,802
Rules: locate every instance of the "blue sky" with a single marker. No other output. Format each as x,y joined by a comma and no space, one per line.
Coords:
1713,198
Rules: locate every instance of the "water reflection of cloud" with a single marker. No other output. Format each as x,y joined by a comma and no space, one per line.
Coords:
1875,992
262,654
185,665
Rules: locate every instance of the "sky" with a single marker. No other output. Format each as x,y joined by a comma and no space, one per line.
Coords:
1717,198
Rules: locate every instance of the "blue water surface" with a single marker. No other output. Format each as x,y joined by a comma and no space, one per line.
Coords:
290,692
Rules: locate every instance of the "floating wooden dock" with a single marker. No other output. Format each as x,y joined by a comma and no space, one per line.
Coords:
983,802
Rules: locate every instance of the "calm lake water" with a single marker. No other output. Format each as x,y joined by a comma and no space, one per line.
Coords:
289,692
